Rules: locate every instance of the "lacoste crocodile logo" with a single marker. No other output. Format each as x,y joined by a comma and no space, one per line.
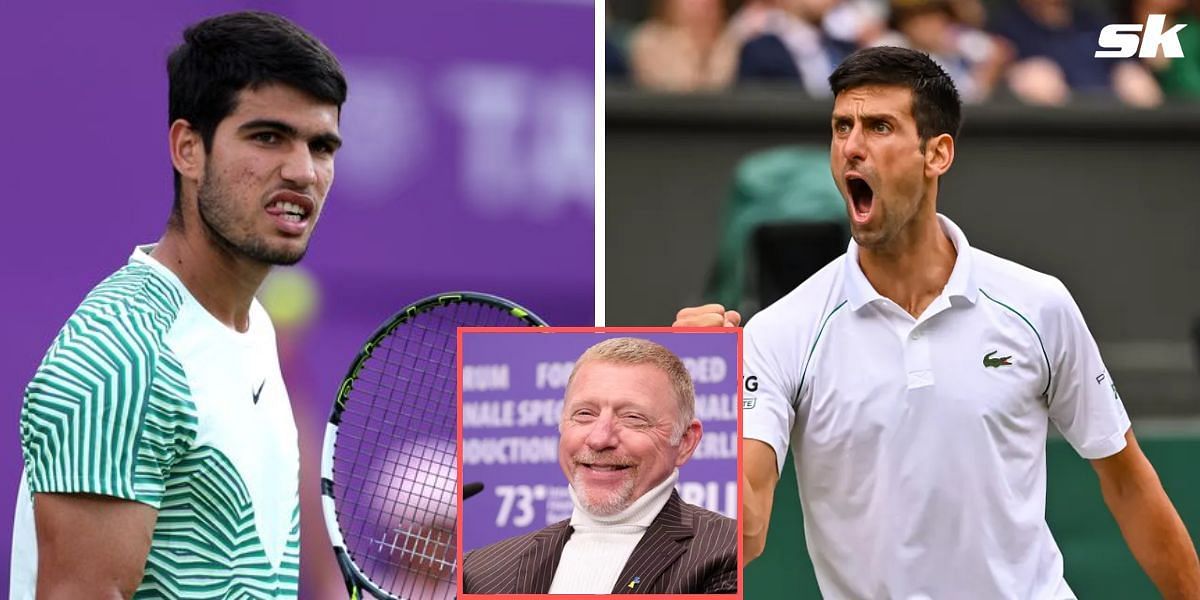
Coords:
1002,361
260,387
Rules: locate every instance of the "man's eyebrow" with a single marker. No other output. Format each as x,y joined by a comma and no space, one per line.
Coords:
883,116
271,124
331,139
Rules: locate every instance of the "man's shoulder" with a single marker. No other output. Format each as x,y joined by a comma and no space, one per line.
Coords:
1017,286
117,330
136,287
109,404
136,299
699,513
710,522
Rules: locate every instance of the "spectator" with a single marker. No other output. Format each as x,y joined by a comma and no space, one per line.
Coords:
969,12
1179,77
751,20
683,47
616,36
615,66
857,23
973,59
793,47
1055,45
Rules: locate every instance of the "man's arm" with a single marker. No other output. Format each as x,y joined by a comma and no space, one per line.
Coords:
771,421
1148,521
96,463
91,546
759,476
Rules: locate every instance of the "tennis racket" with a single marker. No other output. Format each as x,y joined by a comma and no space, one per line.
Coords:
388,467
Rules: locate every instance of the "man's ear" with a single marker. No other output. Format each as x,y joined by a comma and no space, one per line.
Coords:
187,150
689,441
939,155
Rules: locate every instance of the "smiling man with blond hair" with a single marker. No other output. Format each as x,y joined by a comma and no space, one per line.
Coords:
628,424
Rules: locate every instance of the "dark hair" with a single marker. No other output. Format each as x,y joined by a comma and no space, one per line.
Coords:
936,106
223,55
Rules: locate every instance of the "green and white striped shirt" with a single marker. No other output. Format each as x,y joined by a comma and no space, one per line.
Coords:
145,396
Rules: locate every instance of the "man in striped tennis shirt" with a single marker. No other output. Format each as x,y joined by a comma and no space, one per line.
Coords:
160,450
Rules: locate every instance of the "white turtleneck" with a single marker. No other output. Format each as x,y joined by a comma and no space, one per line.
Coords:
597,551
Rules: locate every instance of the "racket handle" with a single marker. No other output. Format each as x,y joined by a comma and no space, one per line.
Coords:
352,588
470,489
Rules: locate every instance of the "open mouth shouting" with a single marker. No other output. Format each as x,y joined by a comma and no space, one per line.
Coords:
290,211
862,197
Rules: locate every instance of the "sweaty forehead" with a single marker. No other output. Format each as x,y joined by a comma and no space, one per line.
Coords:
874,99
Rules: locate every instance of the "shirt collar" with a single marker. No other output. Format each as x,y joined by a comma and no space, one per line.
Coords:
860,292
641,513
141,256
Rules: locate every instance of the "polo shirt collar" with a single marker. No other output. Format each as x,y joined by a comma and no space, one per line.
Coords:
860,292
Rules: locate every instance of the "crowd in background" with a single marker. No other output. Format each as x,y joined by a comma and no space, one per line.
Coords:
1038,51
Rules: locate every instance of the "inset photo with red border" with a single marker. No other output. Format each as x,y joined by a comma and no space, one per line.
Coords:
597,461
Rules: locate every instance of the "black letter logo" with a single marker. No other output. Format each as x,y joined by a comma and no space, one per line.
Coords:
752,384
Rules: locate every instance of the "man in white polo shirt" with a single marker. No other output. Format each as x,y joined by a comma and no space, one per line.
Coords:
914,379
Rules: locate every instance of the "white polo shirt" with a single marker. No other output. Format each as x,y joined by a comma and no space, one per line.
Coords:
920,444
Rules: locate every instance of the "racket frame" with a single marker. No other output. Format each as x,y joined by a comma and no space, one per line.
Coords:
355,579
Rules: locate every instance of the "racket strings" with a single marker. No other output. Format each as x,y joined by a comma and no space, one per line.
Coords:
425,544
394,465
409,458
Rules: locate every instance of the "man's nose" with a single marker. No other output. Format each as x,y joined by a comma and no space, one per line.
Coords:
603,434
854,145
299,167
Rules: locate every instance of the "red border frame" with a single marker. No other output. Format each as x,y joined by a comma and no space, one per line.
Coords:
544,330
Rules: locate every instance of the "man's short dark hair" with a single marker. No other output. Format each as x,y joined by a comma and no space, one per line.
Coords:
223,55
936,106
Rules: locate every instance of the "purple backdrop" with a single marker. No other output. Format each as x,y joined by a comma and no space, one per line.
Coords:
468,165
512,396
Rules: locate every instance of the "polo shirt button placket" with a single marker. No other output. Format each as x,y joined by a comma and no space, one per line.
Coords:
916,358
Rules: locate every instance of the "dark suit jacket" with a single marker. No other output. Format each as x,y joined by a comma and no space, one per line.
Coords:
766,58
685,550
